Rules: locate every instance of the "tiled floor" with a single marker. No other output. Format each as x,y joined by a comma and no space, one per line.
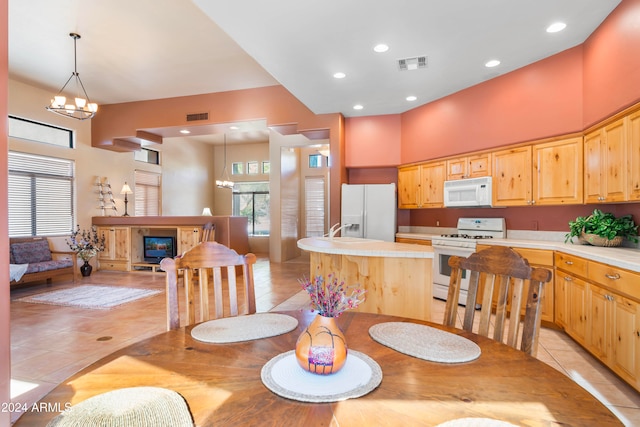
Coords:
50,343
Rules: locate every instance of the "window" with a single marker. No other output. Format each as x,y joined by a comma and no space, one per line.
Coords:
40,132
147,193
40,195
251,199
147,156
315,160
237,168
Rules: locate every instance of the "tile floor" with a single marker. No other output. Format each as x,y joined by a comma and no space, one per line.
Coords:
50,343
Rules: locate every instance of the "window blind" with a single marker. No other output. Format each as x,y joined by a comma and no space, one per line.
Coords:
40,195
147,193
314,193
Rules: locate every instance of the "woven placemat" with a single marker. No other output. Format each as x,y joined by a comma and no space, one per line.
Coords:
425,342
244,328
359,376
134,406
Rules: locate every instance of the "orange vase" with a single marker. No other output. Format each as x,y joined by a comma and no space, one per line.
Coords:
322,348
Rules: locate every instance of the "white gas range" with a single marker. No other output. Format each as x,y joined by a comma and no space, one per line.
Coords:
463,243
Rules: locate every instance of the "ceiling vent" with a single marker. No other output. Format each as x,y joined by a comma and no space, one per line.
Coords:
415,63
197,116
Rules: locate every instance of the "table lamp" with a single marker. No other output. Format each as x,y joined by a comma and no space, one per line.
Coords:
125,190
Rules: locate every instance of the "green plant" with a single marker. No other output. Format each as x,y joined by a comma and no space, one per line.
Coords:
603,224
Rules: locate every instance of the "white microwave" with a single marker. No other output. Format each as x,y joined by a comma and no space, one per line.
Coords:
472,192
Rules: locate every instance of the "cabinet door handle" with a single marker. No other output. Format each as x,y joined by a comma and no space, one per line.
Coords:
615,276
569,262
568,278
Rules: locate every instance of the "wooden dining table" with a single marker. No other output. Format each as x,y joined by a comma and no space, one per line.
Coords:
222,383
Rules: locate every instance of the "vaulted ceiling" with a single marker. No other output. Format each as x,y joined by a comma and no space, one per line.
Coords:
150,49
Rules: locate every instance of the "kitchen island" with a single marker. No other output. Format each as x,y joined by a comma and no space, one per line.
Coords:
397,277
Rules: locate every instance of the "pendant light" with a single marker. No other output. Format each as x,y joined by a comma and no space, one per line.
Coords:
224,181
82,108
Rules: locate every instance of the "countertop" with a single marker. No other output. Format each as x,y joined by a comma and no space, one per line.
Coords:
364,247
621,257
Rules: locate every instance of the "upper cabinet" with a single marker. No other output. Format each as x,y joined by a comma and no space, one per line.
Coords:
605,164
541,174
633,135
469,166
557,172
421,186
512,177
409,187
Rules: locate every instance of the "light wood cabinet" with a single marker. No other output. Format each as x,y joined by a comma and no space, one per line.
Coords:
413,241
541,174
117,248
512,177
558,172
633,135
421,186
625,355
605,164
188,237
577,291
602,312
409,187
469,166
432,177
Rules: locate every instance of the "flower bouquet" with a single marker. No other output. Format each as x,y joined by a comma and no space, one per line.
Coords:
322,347
86,243
330,298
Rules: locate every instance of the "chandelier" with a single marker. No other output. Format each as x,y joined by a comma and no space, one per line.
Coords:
224,181
82,108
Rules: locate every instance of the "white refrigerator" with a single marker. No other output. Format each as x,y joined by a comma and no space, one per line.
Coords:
369,211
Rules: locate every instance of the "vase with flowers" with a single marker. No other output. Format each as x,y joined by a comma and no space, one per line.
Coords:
87,244
322,348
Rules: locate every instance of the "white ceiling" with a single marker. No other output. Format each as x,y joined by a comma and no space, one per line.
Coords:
150,49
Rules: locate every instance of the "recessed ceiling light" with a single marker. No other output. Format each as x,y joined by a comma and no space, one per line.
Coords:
233,128
380,48
185,132
339,75
492,63
556,26
411,98
358,107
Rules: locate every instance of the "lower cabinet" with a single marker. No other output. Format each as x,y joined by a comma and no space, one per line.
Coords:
601,311
117,248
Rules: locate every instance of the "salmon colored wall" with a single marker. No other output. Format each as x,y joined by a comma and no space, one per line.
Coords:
5,337
540,100
562,94
273,103
372,141
612,64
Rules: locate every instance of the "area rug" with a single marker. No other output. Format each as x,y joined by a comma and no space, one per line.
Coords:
91,296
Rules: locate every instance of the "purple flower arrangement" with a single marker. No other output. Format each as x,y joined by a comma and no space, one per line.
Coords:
329,298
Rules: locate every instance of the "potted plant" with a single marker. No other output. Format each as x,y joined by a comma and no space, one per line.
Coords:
602,229
87,244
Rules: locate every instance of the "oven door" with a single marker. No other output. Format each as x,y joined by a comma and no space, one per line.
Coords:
442,272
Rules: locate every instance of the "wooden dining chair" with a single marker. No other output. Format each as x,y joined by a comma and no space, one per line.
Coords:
499,271
208,232
209,259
